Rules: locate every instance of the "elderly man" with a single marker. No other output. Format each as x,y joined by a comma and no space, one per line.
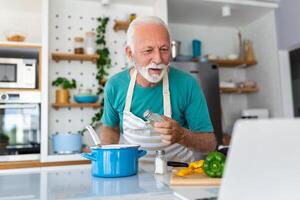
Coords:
152,84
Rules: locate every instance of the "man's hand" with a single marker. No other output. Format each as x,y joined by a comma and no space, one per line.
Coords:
170,131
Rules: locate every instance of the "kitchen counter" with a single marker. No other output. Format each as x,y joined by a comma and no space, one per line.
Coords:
76,182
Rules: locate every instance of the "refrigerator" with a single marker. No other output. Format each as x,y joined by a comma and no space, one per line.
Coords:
208,77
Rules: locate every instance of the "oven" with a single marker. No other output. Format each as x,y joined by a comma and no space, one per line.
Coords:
20,125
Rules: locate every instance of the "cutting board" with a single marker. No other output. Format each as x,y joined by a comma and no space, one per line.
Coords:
194,179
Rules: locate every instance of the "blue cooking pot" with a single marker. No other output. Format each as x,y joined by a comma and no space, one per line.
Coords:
116,160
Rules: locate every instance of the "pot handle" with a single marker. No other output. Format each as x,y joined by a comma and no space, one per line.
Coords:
141,153
89,156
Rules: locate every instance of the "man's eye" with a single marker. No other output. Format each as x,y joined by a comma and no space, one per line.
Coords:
147,51
164,49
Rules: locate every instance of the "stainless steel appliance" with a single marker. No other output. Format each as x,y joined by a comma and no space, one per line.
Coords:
18,73
208,77
19,123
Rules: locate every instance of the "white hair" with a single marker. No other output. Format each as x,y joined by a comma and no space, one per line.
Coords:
143,20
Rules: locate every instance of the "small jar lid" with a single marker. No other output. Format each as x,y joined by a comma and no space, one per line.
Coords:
147,114
160,152
90,34
78,39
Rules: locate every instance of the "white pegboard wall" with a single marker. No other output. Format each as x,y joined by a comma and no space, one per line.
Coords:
71,18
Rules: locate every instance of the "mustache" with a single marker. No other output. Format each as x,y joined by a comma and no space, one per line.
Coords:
156,66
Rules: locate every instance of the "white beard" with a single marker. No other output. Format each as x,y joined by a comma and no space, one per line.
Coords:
152,78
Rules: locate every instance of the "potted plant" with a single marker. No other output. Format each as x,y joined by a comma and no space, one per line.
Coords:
62,95
3,140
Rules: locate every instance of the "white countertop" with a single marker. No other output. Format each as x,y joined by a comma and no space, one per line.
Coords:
76,182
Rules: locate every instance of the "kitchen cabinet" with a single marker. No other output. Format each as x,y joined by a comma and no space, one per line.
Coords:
20,106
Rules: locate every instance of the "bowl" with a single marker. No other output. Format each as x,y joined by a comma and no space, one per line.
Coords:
86,98
15,36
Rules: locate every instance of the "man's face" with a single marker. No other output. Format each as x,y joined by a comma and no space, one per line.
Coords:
151,45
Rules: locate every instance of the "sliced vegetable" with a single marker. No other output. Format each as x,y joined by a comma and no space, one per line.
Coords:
193,168
214,164
196,164
198,171
184,172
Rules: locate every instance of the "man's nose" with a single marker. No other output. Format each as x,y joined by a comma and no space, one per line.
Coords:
157,57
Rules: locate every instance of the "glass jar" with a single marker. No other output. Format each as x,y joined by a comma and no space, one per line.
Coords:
152,117
90,43
249,52
78,45
85,91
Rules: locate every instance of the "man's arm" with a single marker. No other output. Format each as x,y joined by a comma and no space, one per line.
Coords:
171,132
203,142
110,135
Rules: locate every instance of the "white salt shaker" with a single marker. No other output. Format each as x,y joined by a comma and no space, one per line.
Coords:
160,162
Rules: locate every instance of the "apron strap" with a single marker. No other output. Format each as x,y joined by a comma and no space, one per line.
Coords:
130,91
166,94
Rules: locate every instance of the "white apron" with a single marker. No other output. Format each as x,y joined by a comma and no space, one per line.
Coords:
137,131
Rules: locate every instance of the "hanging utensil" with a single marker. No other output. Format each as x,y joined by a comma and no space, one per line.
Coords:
94,135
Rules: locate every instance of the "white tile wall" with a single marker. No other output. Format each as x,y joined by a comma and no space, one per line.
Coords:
70,18
267,72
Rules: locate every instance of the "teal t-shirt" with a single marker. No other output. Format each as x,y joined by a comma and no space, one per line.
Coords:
188,102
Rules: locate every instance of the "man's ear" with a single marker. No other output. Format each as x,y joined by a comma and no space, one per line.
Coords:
128,51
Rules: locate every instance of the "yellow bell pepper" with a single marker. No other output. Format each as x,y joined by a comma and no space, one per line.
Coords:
198,171
194,168
184,172
196,164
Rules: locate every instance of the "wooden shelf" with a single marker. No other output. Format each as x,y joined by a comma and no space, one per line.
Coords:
239,90
121,25
69,56
19,90
20,44
76,105
232,63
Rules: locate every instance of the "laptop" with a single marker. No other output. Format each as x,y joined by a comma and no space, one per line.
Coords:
263,161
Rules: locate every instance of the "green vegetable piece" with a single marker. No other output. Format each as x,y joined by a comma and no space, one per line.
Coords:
214,164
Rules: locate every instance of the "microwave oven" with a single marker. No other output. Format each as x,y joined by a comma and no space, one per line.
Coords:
18,73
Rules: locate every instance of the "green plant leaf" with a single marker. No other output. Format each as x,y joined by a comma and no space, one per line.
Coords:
102,64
